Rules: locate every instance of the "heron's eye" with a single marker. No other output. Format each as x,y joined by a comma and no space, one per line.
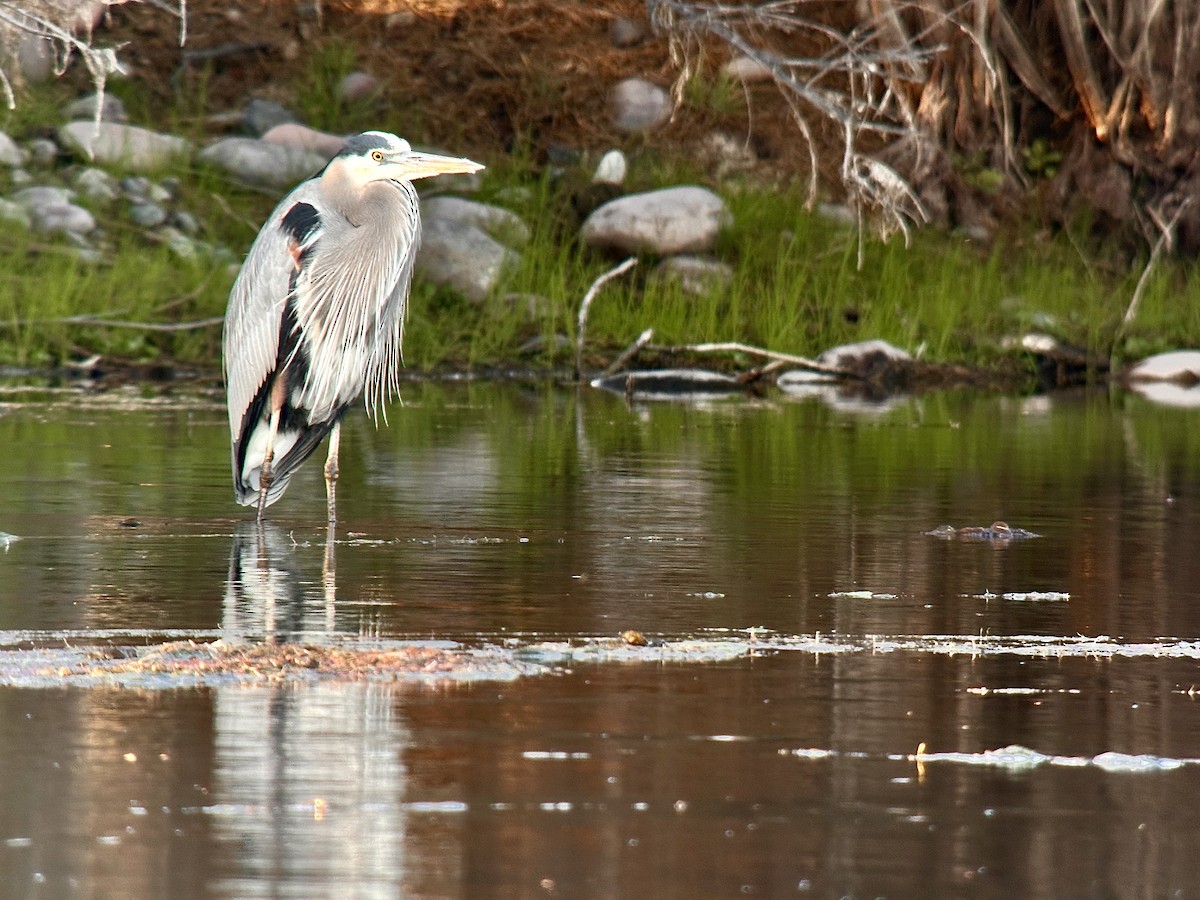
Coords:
377,155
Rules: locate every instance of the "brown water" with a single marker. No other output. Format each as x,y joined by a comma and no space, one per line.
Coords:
806,637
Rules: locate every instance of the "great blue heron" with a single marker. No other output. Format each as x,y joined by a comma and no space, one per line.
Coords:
316,315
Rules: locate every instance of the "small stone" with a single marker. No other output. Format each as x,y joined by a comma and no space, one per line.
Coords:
611,169
157,193
185,222
147,215
746,69
43,195
260,116
14,212
111,108
66,218
357,87
96,184
20,177
180,244
695,274
639,105
10,153
43,152
136,187
624,33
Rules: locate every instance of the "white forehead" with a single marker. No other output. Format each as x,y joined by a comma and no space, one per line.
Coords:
387,141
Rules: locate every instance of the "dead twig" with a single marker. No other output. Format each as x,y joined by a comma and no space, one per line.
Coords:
94,321
629,352
802,362
587,304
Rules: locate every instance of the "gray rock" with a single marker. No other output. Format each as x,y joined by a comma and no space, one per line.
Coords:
185,222
43,195
147,215
66,218
638,105
668,221
502,224
846,356
35,59
14,212
127,145
180,244
837,213
259,162
96,184
356,87
695,274
463,257
43,152
293,134
745,69
111,108
260,116
135,187
624,33
10,153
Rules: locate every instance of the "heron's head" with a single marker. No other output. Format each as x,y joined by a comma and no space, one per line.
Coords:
379,156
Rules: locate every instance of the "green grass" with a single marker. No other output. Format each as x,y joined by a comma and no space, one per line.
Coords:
797,286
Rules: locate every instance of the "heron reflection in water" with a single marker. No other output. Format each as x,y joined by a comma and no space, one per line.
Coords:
316,315
265,598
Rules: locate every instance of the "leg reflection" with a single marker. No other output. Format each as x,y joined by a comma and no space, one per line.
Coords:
265,594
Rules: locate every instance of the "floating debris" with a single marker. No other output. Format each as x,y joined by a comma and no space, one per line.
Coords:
998,531
190,663
1037,596
860,595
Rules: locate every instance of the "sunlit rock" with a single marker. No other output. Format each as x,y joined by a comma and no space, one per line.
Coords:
127,145
611,169
111,108
670,221
261,162
10,153
638,105
697,275
502,224
293,134
463,257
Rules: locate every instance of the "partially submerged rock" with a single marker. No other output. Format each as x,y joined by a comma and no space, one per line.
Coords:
670,384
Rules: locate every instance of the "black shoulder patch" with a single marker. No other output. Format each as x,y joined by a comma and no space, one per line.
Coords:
300,222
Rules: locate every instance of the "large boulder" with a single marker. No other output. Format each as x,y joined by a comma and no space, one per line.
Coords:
127,145
669,221
263,163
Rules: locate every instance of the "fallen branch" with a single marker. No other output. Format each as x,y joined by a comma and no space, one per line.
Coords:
802,362
629,352
118,323
587,304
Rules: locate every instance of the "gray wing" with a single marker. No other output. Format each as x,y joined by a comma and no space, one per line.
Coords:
256,303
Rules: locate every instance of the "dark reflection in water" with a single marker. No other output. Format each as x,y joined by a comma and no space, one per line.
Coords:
515,515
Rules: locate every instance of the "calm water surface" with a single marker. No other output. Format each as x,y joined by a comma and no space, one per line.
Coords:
1052,682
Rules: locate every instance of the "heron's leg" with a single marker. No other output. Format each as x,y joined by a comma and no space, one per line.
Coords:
331,470
264,479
